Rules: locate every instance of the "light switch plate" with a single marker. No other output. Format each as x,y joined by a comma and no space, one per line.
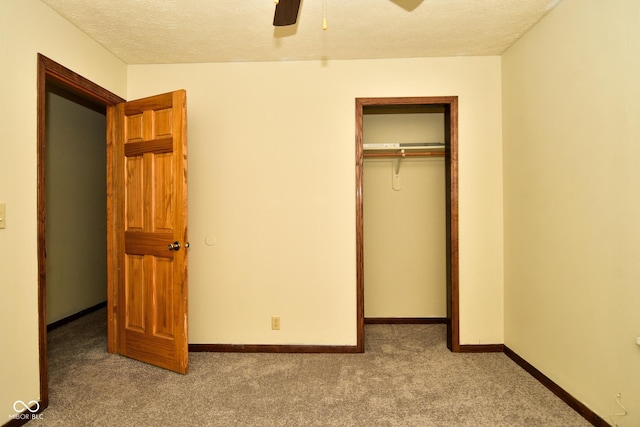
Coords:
3,221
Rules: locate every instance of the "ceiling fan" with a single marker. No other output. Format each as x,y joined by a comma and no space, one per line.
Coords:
286,12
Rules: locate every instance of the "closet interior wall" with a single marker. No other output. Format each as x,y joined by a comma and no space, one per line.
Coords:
404,217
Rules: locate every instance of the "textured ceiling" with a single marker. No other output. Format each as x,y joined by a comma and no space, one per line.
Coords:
182,31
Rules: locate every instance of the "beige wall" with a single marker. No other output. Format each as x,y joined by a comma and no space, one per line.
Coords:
404,220
26,28
272,181
572,154
76,223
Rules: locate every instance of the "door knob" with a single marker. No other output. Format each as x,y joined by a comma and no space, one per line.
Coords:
175,246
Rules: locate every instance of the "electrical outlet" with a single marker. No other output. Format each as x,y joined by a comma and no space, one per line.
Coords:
275,323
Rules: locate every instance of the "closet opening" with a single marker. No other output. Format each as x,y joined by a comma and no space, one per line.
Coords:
407,244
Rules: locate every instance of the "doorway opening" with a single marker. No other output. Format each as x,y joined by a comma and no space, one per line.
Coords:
449,108
52,75
76,206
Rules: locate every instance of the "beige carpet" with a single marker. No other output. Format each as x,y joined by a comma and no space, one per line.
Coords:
406,377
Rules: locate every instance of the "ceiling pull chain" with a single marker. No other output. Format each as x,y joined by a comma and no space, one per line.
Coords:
324,14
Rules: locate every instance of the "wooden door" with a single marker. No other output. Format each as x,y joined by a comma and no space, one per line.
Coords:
147,235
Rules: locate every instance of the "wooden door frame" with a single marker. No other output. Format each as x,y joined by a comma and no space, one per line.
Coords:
450,104
50,72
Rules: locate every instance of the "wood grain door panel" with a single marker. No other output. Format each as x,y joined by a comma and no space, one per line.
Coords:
151,209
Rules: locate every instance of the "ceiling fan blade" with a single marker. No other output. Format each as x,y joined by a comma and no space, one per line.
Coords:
286,13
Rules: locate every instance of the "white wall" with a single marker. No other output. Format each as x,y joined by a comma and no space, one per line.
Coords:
572,154
26,28
76,222
272,179
404,220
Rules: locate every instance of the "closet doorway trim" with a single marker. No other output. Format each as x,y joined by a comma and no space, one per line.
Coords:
450,105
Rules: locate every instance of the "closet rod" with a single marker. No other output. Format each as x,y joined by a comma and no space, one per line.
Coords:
406,154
